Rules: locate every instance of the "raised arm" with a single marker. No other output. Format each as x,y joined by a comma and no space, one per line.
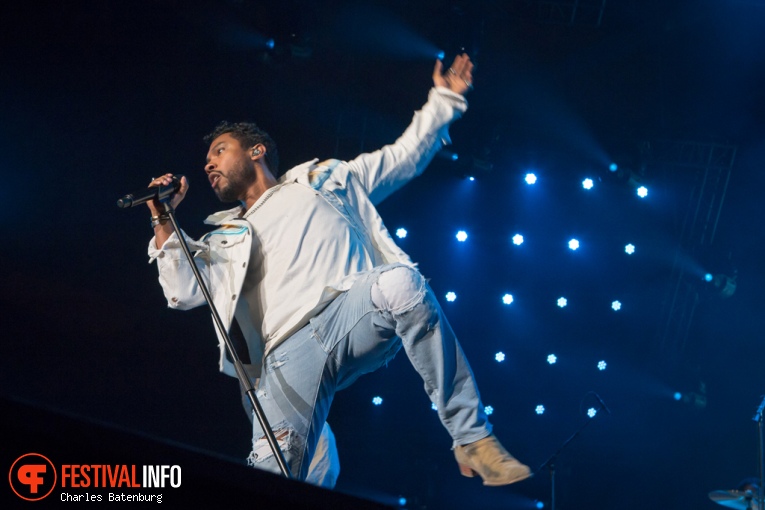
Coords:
384,171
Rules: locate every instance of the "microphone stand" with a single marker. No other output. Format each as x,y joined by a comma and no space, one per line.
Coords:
244,379
760,453
550,462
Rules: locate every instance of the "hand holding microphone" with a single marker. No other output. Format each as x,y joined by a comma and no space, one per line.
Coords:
160,188
168,185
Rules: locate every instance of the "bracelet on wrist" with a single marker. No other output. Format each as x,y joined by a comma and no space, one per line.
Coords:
159,220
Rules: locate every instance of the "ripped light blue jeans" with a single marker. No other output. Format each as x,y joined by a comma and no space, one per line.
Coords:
352,337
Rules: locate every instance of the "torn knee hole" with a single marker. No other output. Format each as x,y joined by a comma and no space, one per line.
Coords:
398,290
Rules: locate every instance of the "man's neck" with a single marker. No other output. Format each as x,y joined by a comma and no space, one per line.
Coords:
256,191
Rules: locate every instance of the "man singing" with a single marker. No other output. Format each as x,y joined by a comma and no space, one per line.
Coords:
306,276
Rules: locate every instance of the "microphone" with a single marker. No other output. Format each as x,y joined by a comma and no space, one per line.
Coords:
602,404
150,193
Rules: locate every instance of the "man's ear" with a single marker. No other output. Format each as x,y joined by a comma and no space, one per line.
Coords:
257,151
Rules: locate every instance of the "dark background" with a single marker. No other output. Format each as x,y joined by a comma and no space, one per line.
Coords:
99,96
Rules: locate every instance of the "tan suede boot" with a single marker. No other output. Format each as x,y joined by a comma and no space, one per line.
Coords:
488,458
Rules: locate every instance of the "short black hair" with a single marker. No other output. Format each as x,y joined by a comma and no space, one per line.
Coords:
249,134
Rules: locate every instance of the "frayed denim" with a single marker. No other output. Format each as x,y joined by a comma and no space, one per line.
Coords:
352,337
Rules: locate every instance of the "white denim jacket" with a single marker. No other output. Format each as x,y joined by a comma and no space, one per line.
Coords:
352,187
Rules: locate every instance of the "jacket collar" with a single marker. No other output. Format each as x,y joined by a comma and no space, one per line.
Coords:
222,217
296,174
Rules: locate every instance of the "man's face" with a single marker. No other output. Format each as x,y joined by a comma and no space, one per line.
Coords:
229,168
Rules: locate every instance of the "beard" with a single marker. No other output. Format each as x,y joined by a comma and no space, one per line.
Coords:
237,181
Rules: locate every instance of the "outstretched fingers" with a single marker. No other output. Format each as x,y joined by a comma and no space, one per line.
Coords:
458,77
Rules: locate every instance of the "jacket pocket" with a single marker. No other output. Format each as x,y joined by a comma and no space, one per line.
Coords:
226,236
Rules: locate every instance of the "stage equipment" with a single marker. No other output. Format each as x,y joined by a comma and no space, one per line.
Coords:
761,450
741,500
550,462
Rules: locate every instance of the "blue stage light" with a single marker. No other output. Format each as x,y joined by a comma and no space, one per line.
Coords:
530,178
616,305
708,277
591,412
562,302
270,44
488,410
451,296
573,244
377,401
517,239
587,183
552,359
629,249
471,178
401,233
602,365
402,499
433,406
507,299
440,55
677,395
461,236
540,409
540,505
500,356
642,192
613,167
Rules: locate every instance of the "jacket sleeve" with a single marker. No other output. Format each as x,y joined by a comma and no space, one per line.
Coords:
384,171
175,274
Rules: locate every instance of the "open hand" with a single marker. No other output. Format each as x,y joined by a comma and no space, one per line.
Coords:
458,78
